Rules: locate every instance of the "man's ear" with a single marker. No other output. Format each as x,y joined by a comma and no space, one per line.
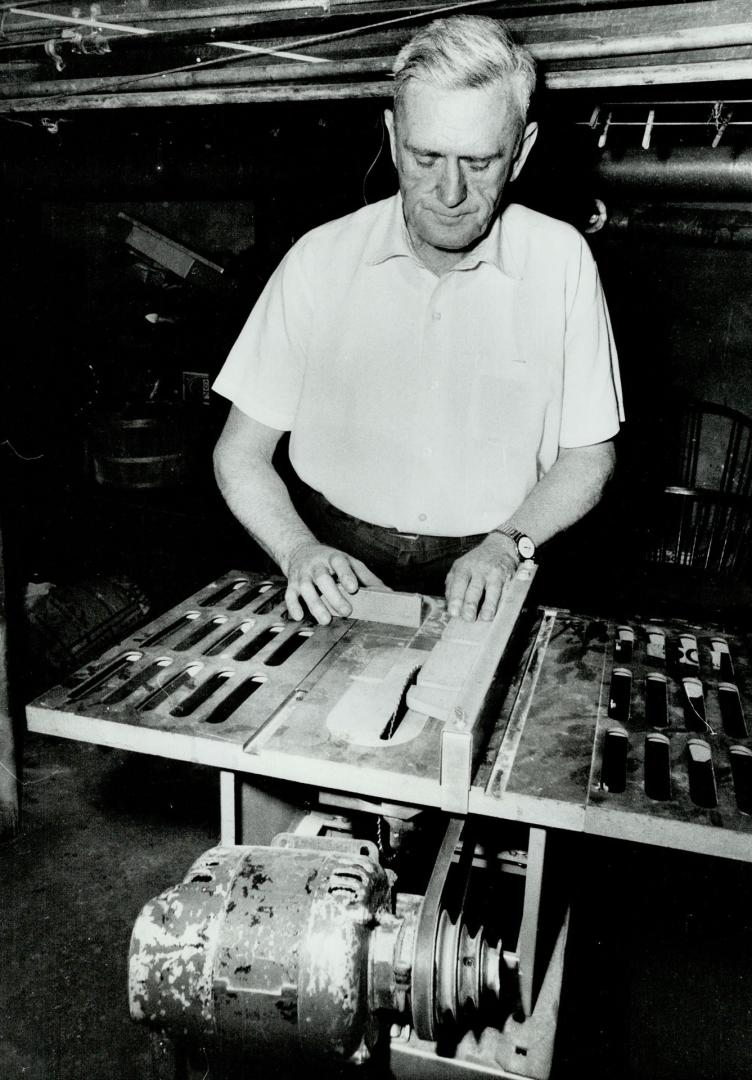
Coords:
389,121
526,144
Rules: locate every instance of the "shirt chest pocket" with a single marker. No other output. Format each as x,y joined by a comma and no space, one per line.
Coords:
492,344
495,372
505,405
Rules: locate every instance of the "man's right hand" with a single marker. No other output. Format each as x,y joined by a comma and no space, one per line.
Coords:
321,576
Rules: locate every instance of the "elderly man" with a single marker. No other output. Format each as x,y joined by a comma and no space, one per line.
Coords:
443,360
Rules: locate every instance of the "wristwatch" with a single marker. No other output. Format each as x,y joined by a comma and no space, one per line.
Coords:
525,546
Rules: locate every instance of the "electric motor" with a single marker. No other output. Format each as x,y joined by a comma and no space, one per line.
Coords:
301,949
265,947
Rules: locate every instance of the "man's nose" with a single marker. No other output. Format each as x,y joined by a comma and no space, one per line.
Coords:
452,187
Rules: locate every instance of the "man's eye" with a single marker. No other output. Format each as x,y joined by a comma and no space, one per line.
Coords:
478,166
425,162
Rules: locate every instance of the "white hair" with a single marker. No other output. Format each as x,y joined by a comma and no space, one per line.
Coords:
466,51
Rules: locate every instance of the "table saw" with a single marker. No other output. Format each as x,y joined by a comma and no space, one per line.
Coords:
399,792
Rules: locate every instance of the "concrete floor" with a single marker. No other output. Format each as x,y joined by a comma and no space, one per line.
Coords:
657,980
101,832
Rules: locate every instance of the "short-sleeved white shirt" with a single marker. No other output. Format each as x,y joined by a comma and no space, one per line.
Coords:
422,403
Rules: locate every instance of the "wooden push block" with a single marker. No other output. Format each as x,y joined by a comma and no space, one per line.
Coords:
385,606
448,665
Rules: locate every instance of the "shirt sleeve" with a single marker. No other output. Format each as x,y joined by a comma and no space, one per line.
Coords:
264,371
592,406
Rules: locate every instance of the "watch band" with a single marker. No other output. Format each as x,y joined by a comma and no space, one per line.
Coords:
525,546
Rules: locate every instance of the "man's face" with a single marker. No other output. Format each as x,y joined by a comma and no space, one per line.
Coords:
454,151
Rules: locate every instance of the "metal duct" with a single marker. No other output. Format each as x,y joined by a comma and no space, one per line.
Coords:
685,224
724,173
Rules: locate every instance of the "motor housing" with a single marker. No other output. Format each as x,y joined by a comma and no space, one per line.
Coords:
266,948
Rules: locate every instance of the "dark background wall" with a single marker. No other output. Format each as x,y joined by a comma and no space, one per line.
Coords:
237,185
683,317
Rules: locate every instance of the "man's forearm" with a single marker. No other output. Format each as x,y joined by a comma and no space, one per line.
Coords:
260,501
571,488
318,576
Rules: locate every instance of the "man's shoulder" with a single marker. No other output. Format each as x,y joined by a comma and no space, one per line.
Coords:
540,246
523,221
350,232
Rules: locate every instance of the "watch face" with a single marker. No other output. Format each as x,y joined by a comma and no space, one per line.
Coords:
526,547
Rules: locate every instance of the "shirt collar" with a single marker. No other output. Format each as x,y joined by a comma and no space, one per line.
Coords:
391,240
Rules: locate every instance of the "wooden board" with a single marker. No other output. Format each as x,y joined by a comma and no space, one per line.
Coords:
386,606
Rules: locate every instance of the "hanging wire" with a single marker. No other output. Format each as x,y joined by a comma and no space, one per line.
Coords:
372,166
18,454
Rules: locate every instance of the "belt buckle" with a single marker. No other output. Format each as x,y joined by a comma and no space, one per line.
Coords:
408,536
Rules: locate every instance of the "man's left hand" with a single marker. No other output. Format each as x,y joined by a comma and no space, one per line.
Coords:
481,574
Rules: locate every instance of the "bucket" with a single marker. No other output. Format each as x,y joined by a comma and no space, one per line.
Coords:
138,451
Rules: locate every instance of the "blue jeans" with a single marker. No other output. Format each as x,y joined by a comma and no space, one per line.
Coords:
404,561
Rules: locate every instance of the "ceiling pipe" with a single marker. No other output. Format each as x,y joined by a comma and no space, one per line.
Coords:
246,74
700,37
601,47
209,96
687,225
596,44
689,72
724,173
595,47
218,93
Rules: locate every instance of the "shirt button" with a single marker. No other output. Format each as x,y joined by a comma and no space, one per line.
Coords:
427,451
422,517
434,386
436,315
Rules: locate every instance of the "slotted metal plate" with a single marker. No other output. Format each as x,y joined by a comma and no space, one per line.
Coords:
673,753
214,678
211,670
639,730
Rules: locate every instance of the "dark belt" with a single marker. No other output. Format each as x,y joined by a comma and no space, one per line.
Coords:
328,507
